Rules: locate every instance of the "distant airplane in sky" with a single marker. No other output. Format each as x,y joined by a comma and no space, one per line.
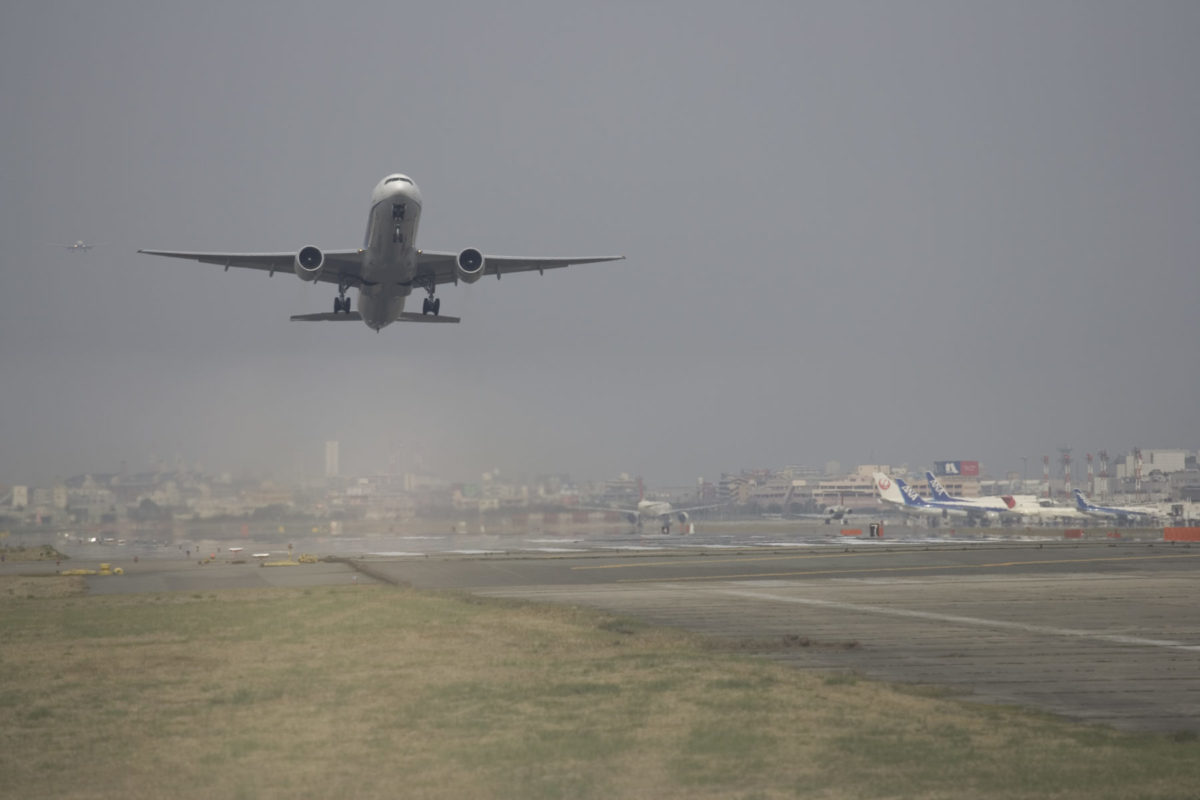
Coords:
388,267
79,246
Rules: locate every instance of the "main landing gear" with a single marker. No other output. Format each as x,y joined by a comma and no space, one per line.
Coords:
341,303
432,305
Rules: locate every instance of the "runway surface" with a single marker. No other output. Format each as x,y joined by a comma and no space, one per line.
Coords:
1097,630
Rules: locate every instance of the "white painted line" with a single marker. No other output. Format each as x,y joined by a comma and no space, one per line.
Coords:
960,620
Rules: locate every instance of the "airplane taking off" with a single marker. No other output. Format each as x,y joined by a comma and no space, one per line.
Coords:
388,267
1126,514
79,246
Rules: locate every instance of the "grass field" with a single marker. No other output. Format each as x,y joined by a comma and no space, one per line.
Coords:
372,691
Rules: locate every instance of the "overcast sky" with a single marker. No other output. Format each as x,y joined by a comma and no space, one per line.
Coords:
864,232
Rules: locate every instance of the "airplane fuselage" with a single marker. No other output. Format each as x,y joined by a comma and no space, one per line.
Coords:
389,250
653,509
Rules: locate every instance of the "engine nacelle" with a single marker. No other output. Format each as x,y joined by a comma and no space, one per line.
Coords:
309,263
683,517
469,265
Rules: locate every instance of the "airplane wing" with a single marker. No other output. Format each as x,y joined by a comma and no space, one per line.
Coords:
630,511
440,265
698,508
340,265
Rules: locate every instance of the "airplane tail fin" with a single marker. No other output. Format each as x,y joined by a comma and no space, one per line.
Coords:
911,498
888,491
1080,502
936,489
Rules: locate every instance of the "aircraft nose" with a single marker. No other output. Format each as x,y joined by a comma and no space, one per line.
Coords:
395,187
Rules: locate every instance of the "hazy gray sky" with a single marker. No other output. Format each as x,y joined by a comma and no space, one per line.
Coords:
888,232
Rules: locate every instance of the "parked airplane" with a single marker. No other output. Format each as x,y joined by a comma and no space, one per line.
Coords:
1001,504
388,267
1045,510
1126,514
79,246
896,492
979,510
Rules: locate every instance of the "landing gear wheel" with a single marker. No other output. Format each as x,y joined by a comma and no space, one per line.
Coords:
425,306
337,305
437,306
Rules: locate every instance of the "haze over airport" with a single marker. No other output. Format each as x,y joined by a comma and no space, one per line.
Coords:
866,233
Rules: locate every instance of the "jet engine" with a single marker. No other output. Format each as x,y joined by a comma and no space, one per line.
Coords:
682,516
469,265
309,263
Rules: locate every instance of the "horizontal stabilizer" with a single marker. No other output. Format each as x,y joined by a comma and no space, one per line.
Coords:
408,316
329,316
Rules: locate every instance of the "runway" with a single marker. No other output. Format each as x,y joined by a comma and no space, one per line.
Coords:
1098,632
1104,631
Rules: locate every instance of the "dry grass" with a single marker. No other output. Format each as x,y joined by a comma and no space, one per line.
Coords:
30,586
43,552
376,692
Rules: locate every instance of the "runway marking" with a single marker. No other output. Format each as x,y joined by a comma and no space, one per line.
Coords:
961,620
854,570
772,557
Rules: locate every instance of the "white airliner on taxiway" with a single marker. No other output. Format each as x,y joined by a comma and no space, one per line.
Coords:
662,511
388,267
659,510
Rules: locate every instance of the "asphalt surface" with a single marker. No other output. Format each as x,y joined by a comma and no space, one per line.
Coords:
1097,632
1104,631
